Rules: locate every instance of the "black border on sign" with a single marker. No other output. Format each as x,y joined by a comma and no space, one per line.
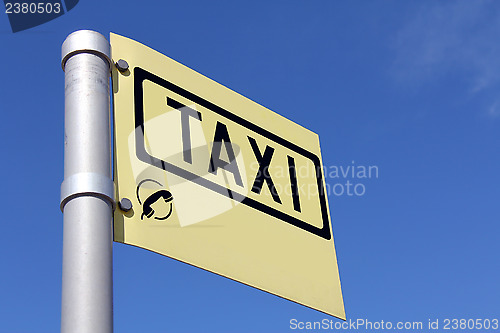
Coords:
140,75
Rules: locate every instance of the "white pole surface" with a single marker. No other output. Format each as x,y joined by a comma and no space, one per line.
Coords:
87,190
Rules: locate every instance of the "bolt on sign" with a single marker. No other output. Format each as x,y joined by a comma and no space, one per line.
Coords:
220,182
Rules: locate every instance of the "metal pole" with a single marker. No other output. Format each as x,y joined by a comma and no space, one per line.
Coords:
87,191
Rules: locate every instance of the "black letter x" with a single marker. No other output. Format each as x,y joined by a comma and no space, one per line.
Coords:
263,173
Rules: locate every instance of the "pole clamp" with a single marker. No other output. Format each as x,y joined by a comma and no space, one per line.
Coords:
87,184
86,41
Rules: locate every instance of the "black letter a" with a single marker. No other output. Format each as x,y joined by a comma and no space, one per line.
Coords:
220,135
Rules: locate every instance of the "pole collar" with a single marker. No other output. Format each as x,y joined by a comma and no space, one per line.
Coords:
87,184
86,41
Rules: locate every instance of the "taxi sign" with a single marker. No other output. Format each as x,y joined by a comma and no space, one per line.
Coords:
220,182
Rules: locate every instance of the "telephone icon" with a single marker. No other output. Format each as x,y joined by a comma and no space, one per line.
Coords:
148,211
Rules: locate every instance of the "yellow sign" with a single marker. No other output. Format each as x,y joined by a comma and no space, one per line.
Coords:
219,181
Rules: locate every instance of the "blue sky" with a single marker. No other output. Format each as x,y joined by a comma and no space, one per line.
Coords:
410,87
